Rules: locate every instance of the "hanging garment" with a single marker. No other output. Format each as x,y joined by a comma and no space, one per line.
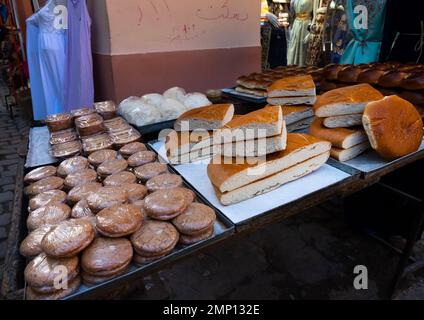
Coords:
366,43
296,53
340,34
315,43
4,13
46,48
79,86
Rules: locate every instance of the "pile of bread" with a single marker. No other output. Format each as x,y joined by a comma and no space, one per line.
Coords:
91,218
250,154
207,131
257,84
356,118
390,78
87,130
155,107
296,94
204,132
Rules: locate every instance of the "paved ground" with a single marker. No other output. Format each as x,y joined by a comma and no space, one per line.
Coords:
311,256
12,135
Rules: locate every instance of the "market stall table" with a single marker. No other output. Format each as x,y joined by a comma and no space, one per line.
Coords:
333,180
39,148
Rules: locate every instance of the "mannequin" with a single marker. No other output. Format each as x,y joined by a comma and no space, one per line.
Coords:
46,48
302,12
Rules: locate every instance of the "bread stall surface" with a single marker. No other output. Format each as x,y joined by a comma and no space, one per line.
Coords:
394,127
237,180
98,216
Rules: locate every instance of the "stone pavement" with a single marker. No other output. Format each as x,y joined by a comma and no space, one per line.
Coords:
311,256
12,135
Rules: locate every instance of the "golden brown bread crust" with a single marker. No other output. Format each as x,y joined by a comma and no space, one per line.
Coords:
219,173
326,85
269,114
414,81
392,79
394,126
349,74
331,72
353,94
411,67
335,136
294,109
370,76
214,112
302,82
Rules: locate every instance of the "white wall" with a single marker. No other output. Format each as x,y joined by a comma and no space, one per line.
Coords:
145,26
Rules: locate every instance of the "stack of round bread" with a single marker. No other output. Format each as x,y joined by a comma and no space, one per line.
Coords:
256,84
85,131
359,117
90,218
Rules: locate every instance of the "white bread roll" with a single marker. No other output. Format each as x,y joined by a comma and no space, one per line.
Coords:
196,100
176,93
171,109
154,99
143,114
128,104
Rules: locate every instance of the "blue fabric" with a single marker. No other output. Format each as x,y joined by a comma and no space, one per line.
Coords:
4,13
46,47
79,84
366,44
